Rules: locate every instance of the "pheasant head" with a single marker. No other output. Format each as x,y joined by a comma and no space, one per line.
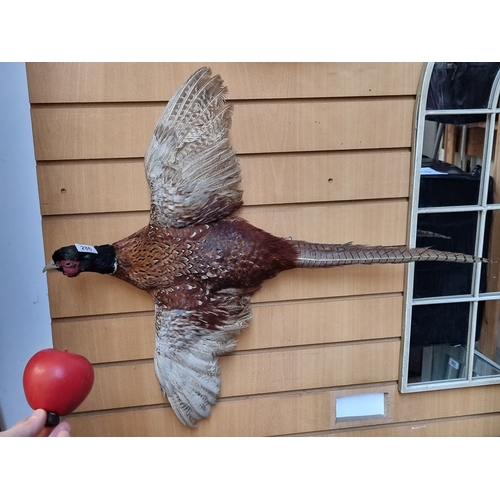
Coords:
75,259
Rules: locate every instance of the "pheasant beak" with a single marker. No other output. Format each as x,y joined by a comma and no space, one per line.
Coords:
51,265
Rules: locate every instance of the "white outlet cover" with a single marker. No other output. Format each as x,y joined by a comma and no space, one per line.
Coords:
360,405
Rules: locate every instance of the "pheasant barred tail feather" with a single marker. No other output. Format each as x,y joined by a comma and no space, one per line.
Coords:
318,255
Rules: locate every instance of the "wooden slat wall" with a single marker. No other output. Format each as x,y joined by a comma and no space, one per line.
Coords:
325,154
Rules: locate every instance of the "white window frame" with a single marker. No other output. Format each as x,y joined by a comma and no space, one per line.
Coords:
482,208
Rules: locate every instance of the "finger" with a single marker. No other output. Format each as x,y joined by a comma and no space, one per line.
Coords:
28,427
61,430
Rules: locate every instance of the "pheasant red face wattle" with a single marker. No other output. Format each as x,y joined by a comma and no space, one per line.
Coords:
69,268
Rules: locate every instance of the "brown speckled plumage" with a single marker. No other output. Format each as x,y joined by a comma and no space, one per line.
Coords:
199,262
185,267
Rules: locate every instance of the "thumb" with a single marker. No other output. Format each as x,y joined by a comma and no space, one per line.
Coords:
28,427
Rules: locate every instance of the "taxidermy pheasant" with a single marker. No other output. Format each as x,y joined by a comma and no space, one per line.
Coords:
199,262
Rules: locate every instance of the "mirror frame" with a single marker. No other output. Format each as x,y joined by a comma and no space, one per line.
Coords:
414,211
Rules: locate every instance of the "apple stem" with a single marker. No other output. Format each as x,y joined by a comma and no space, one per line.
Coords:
52,419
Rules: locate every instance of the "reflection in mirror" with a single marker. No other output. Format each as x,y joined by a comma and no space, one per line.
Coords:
445,231
452,316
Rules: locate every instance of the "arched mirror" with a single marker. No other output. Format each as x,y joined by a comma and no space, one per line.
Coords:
452,311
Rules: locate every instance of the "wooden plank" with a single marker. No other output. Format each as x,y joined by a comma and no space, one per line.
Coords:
132,337
121,82
325,177
450,143
107,339
261,416
375,223
258,372
95,187
294,413
475,140
478,426
123,131
92,294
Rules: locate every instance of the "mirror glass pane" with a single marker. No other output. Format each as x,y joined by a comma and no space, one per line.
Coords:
438,342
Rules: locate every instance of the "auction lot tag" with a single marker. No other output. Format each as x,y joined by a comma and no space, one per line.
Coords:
85,248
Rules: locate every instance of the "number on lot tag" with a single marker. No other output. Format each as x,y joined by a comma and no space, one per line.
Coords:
85,248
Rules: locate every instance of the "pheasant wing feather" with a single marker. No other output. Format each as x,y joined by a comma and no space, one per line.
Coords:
188,344
191,168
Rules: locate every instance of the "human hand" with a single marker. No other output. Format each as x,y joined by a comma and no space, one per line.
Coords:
34,426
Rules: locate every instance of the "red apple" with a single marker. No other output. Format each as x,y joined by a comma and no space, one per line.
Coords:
57,381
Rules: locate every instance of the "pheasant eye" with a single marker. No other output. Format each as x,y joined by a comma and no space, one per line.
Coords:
68,264
69,267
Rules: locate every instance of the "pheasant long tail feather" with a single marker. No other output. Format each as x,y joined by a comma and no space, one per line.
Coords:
319,255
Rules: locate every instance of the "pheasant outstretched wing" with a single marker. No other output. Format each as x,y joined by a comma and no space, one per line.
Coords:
188,344
191,168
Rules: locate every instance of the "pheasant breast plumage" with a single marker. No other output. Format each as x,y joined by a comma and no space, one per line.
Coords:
199,262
